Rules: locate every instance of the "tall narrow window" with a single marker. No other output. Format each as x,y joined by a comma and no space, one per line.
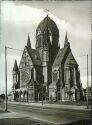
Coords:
64,75
55,76
67,75
50,36
32,74
71,77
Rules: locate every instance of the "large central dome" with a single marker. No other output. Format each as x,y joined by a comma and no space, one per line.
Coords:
47,29
47,22
47,38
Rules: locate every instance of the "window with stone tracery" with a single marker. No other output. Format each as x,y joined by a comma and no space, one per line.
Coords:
25,77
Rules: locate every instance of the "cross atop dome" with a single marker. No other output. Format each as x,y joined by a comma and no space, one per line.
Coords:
46,11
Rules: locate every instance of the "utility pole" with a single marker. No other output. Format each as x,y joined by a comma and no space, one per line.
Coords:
5,78
6,47
91,56
87,83
91,52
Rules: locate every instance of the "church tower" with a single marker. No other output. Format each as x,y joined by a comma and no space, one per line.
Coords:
47,44
47,40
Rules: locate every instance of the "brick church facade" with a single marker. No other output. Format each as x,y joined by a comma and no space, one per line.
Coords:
47,72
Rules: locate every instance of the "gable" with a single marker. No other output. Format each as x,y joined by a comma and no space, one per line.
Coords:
34,55
26,61
70,60
61,55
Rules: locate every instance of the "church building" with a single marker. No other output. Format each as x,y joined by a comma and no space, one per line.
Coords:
48,72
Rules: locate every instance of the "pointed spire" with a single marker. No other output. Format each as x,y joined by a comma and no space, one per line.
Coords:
47,16
66,40
28,41
15,68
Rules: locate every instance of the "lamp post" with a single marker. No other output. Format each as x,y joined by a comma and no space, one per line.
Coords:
42,95
91,46
5,78
87,83
6,73
91,58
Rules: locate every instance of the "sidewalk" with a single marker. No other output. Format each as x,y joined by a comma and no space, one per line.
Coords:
10,118
13,118
4,115
55,106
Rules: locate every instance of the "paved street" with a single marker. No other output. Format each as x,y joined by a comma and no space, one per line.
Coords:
13,118
50,114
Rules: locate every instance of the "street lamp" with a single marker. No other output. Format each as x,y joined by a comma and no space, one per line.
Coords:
87,83
6,74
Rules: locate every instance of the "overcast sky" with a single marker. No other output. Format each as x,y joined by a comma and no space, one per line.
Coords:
19,18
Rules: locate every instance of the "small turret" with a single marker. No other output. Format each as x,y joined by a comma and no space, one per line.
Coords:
66,40
15,68
28,41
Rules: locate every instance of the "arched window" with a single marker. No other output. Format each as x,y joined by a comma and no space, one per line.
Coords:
66,75
50,36
72,77
17,77
50,39
39,42
32,74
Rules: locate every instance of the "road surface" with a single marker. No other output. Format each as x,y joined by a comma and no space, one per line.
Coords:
50,115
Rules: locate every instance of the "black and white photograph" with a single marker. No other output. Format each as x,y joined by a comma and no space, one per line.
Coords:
46,63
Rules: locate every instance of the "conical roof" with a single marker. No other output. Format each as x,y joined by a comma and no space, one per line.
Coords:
28,41
66,42
48,22
70,60
15,68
